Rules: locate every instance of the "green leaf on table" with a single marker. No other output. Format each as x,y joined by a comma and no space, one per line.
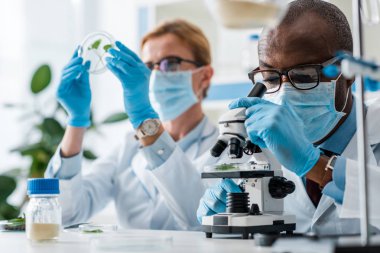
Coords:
93,231
107,47
96,44
89,155
41,79
7,186
117,117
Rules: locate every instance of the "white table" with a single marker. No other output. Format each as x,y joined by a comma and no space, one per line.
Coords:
182,242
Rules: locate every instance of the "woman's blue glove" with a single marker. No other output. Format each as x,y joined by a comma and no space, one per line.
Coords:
134,77
276,128
215,198
74,92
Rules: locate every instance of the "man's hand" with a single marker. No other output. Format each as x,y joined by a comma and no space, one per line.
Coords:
276,128
134,77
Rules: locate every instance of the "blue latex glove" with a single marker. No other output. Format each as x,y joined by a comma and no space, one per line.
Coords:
276,128
134,77
74,92
215,198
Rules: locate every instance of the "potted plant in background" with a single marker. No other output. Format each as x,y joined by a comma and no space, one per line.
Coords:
47,131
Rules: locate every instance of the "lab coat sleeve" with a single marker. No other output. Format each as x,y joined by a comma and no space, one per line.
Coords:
335,189
351,203
63,168
160,151
81,197
178,180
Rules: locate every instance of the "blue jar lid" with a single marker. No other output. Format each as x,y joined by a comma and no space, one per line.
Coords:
43,186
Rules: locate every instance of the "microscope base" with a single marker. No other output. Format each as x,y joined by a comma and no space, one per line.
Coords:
248,224
246,231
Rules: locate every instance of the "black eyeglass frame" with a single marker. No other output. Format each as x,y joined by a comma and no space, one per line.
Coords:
178,60
281,73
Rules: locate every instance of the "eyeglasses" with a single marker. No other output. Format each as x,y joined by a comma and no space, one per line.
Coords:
170,63
302,77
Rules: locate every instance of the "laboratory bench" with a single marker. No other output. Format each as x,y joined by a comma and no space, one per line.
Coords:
159,241
166,241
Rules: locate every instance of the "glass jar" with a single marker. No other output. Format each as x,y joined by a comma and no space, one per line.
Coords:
43,214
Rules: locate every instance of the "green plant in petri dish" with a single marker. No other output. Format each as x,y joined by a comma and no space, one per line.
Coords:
94,48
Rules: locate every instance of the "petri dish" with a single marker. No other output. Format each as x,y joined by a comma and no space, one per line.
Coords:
131,243
9,226
97,228
94,48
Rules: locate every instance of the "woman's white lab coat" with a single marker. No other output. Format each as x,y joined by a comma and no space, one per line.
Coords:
166,197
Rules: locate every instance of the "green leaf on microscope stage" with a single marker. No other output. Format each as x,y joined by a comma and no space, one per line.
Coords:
225,167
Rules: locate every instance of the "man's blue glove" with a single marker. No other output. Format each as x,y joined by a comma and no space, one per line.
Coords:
134,77
276,128
74,92
215,198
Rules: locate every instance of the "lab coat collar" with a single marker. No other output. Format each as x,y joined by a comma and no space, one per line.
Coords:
193,135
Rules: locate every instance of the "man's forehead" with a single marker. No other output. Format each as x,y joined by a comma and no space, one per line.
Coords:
305,41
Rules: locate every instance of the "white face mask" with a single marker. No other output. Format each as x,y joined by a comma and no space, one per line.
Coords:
315,107
171,93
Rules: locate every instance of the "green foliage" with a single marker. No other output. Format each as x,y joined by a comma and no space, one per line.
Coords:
114,118
41,79
49,132
7,186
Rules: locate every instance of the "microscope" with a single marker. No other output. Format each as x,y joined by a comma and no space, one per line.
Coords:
260,206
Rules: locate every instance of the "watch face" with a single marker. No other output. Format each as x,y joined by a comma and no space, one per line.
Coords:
150,127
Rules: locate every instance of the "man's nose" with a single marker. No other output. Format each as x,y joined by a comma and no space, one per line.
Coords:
156,67
284,79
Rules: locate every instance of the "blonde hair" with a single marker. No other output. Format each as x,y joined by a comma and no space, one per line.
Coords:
188,33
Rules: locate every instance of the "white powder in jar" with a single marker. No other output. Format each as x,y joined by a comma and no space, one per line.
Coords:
43,231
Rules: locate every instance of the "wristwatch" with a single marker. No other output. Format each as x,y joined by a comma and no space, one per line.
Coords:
322,175
327,177
149,127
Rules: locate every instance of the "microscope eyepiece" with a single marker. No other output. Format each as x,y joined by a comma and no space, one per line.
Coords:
258,90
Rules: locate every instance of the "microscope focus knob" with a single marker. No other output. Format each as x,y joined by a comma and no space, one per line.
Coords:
280,187
218,148
235,148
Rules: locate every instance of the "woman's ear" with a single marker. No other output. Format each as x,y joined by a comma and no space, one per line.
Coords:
206,76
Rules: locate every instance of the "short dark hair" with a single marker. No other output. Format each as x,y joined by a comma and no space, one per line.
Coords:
332,15
336,22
